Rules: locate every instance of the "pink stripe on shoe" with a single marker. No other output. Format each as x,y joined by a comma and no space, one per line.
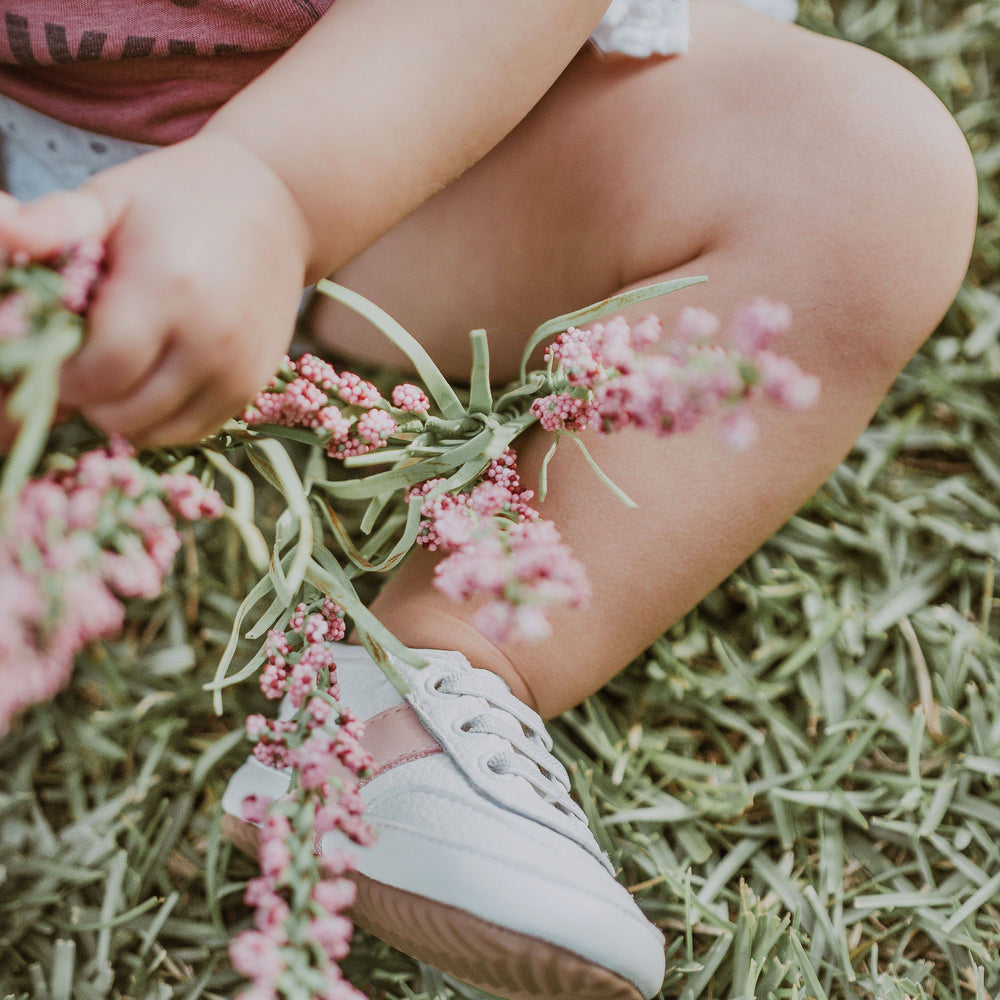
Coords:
396,736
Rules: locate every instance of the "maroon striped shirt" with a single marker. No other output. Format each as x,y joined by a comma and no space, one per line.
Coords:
152,70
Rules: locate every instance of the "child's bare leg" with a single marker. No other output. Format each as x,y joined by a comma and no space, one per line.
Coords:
777,162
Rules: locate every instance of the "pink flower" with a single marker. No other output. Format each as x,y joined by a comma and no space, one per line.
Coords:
315,628
695,325
410,398
258,889
454,527
358,830
330,419
356,391
351,754
489,498
76,538
321,373
340,989
257,956
756,324
374,427
274,680
274,857
333,934
350,799
298,618
337,862
335,894
561,411
131,573
255,808
476,568
79,271
328,817
190,499
15,311
350,724
739,430
319,711
783,381
612,385
314,760
271,913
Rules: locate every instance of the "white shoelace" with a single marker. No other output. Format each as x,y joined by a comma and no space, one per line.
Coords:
530,755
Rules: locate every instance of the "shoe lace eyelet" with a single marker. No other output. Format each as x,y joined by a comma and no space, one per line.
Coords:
461,726
435,685
488,763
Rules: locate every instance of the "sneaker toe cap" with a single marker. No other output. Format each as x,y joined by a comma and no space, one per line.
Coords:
509,871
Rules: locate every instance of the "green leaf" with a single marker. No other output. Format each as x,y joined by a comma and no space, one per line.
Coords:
33,403
261,588
437,385
376,638
480,394
598,309
543,472
617,490
381,483
241,515
399,550
375,507
298,506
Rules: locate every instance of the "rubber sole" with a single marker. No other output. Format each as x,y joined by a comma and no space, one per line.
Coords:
465,946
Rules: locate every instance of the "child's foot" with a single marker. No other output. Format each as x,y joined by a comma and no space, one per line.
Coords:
484,866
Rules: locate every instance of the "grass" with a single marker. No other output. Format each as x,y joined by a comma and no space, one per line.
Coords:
800,781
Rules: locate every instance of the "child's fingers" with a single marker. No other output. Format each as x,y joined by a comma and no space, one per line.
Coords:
126,343
157,404
46,226
180,402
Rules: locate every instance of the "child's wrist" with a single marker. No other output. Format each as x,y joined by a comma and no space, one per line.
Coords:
278,195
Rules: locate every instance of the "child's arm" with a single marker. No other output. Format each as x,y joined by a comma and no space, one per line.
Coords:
210,241
398,98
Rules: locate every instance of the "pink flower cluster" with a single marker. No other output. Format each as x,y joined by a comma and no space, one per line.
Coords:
76,542
30,296
281,956
347,410
300,665
610,383
79,269
321,744
501,550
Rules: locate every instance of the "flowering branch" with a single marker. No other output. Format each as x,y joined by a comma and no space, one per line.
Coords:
299,898
101,522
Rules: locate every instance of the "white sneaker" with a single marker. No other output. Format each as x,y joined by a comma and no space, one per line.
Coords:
483,865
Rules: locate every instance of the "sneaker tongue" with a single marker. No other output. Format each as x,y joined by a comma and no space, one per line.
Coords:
364,689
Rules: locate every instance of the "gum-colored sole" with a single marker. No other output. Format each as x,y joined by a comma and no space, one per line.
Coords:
470,949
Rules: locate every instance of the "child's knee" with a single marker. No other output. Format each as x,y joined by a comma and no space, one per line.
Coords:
899,250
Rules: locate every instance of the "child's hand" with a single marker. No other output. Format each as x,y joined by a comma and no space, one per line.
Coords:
206,255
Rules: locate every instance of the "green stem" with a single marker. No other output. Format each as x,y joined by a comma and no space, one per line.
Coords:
611,485
437,385
589,313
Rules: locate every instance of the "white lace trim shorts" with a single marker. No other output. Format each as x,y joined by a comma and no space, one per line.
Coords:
40,154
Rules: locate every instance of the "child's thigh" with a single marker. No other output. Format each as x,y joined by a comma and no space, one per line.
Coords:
764,135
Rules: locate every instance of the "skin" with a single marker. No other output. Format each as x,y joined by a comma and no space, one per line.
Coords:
211,241
627,173
768,158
